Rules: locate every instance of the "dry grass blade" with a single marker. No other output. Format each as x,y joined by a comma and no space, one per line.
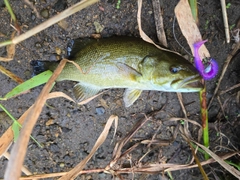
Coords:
157,167
19,149
142,33
59,94
189,27
24,169
191,121
198,162
77,169
229,168
225,20
89,99
118,148
229,89
11,75
159,22
52,175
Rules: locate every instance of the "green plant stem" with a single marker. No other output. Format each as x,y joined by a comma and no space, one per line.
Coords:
9,8
204,115
5,43
15,121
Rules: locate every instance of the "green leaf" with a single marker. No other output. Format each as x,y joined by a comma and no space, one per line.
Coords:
194,9
15,128
29,84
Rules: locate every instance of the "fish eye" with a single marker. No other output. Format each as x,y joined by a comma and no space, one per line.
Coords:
174,69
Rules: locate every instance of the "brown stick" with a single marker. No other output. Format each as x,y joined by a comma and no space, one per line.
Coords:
159,22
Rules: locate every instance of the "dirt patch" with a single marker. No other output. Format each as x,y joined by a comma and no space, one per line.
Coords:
68,131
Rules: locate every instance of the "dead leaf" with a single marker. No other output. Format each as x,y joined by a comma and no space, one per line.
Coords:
189,28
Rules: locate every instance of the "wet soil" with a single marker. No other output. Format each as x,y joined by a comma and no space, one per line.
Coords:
68,131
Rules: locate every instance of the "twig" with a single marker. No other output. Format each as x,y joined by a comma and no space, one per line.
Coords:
225,20
228,60
159,22
229,89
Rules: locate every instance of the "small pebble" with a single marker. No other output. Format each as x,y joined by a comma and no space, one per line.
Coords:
62,165
100,110
45,13
33,16
38,45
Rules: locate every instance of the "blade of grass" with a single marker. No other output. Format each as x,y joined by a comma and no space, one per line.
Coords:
9,8
194,9
233,164
16,126
29,84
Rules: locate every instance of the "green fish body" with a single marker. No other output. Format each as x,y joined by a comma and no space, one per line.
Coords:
127,62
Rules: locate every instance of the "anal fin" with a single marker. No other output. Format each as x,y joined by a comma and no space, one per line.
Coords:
82,91
130,96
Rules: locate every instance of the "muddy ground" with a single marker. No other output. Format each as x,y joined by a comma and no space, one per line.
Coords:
68,131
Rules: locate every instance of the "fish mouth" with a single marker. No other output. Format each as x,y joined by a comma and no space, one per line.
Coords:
190,84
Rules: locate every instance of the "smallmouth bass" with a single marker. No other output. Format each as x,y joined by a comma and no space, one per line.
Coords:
125,62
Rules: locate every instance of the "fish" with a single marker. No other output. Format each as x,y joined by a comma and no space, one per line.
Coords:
125,62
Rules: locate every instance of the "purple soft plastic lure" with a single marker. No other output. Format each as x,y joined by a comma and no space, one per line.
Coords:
211,70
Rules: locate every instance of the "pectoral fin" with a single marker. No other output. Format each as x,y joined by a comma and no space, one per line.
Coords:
130,96
82,91
128,71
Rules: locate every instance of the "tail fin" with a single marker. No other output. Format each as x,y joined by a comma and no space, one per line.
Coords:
41,66
38,67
